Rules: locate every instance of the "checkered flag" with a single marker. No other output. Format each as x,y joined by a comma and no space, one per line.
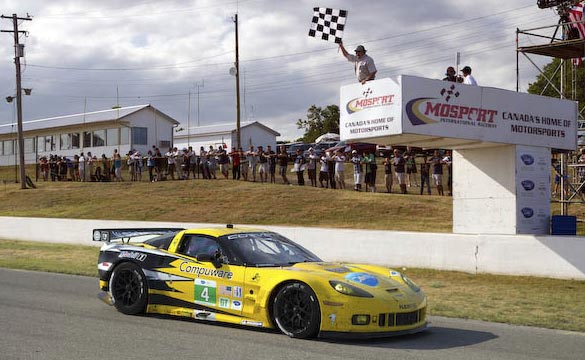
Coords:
328,24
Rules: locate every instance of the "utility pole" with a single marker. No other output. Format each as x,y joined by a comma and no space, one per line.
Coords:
18,53
237,64
199,85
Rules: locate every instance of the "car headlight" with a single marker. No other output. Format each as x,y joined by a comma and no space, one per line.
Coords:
347,289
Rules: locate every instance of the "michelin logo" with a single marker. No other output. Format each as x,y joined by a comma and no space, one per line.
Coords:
527,212
528,185
527,159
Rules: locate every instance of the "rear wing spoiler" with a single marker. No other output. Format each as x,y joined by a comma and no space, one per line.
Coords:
108,235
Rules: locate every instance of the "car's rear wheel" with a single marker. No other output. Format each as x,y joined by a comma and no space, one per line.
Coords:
128,288
296,311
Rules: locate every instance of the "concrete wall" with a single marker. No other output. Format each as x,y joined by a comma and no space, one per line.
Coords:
545,256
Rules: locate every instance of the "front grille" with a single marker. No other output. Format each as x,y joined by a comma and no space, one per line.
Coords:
401,319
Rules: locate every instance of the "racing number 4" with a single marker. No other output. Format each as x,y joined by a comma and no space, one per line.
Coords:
205,292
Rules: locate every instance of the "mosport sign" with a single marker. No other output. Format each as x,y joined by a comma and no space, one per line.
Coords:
435,108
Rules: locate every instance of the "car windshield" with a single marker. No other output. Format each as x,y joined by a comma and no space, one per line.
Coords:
264,249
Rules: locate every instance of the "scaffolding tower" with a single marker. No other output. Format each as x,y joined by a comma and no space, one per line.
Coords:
564,45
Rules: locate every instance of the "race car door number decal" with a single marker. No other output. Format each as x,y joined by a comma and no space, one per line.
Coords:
205,292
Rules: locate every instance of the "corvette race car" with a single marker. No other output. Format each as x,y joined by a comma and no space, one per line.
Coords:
256,278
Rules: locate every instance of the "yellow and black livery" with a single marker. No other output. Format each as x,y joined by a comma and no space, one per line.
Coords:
256,278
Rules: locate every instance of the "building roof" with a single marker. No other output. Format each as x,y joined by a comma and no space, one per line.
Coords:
82,118
218,129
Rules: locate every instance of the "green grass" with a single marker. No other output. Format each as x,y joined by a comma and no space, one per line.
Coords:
228,201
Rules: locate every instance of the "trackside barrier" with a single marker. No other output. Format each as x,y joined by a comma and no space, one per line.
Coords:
528,255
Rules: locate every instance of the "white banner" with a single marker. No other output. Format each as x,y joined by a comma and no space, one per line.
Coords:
370,110
441,109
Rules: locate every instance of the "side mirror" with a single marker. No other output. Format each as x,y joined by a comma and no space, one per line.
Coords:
213,259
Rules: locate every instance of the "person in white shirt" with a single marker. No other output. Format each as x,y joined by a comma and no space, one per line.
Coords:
170,155
468,79
339,159
365,69
82,166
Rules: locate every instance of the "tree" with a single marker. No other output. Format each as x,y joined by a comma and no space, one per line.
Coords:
552,71
319,121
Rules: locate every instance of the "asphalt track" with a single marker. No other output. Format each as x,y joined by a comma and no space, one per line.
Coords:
53,316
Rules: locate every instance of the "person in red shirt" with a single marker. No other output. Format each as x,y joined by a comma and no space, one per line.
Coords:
235,155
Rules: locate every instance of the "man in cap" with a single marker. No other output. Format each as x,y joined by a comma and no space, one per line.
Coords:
468,79
365,69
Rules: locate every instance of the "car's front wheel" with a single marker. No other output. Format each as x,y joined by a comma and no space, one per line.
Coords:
296,311
128,288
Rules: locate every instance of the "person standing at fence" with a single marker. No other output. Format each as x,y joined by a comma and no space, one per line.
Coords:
331,166
399,170
263,164
410,158
244,165
358,172
448,160
312,167
437,171
118,166
89,166
282,164
170,155
82,160
371,169
235,156
324,170
425,176
299,167
252,157
271,164
388,173
339,159
150,165
76,167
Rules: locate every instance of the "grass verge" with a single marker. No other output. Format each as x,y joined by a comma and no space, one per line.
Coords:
541,302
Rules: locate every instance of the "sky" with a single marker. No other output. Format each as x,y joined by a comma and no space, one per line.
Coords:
83,55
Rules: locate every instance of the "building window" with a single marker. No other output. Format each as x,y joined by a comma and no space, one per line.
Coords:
75,140
139,136
8,147
86,139
124,136
112,137
69,141
29,146
65,142
99,138
50,143
41,143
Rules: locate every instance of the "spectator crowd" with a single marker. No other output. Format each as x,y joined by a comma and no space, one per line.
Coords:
407,169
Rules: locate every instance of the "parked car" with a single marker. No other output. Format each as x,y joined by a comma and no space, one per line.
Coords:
292,150
320,148
360,147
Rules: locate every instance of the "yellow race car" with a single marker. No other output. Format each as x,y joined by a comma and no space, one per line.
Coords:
256,278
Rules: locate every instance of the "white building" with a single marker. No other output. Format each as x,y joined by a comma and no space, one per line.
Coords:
224,135
100,132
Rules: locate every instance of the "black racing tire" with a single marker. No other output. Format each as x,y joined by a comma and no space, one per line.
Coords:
296,311
129,289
